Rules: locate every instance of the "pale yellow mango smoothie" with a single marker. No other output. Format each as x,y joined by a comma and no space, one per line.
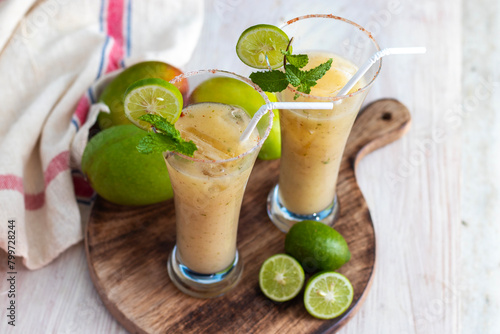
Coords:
313,141
208,195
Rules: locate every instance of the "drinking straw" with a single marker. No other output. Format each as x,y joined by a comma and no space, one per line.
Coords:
373,59
280,105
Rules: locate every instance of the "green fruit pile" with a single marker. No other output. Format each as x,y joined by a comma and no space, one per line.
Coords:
111,162
310,246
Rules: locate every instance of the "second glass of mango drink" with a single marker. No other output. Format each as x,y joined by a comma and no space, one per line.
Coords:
313,141
208,189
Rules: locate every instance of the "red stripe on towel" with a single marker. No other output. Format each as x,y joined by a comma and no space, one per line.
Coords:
58,164
115,31
35,201
11,182
82,109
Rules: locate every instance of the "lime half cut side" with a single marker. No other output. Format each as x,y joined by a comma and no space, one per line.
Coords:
258,41
152,96
328,295
281,277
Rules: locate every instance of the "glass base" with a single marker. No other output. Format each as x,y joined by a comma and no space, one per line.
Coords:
203,285
284,219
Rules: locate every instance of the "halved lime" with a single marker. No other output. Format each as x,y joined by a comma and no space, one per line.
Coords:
328,294
260,40
152,96
281,277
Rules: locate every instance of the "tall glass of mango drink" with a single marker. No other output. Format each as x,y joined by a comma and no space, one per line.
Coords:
313,141
208,189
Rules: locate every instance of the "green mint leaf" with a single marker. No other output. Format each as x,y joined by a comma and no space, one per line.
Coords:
304,80
159,142
294,75
298,79
167,138
318,72
270,81
298,61
154,143
162,125
186,147
304,88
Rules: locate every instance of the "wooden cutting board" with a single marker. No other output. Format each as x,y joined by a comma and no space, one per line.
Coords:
127,250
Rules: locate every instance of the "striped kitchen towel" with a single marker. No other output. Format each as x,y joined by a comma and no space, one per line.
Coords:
51,54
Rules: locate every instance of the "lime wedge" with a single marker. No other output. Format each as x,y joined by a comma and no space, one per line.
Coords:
328,294
281,277
258,41
152,96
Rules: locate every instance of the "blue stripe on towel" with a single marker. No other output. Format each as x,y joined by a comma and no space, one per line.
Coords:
101,16
91,95
103,54
75,123
129,24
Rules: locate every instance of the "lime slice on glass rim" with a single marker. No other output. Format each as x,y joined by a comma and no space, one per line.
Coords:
152,96
260,40
327,295
281,277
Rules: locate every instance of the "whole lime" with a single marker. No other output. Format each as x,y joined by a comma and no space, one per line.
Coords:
235,92
317,246
122,175
114,93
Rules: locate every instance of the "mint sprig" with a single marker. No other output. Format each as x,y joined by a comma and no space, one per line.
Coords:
276,81
166,138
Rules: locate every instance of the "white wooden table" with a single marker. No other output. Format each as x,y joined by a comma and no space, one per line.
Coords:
412,186
481,169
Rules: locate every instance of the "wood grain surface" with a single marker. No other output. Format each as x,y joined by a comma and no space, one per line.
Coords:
127,250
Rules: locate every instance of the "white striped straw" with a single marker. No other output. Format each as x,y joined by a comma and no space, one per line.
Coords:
280,105
373,59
